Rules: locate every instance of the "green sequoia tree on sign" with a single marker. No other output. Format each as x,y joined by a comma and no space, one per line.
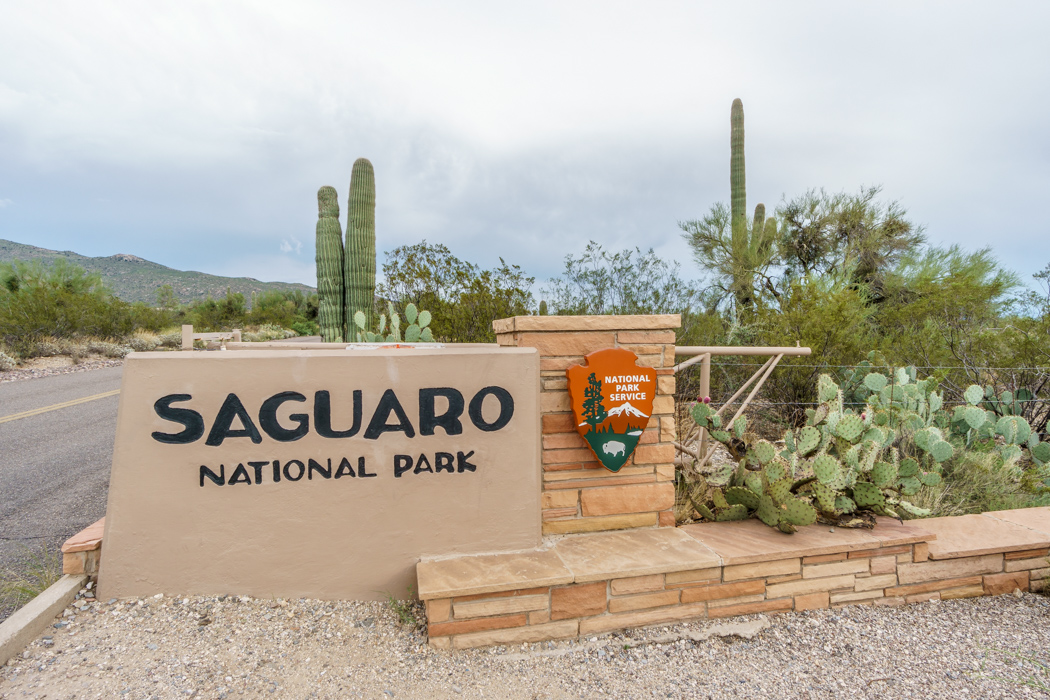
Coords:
593,410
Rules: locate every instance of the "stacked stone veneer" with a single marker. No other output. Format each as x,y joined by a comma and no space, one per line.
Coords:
593,584
82,553
579,494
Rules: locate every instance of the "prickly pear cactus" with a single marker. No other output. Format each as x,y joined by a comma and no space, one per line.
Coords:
845,466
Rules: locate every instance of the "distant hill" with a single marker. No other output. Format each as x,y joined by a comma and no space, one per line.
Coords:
133,279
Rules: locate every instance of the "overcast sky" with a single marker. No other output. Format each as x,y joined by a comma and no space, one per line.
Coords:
196,134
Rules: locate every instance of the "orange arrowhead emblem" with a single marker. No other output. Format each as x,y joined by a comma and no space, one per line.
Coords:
612,399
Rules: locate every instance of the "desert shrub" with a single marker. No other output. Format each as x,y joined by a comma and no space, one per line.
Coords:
107,348
143,341
170,339
266,333
38,303
7,362
978,482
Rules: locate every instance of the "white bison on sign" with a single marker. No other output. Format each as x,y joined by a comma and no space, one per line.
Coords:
614,448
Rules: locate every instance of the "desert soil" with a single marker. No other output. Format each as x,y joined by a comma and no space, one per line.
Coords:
230,647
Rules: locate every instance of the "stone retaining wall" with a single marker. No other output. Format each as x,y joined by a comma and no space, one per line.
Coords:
593,584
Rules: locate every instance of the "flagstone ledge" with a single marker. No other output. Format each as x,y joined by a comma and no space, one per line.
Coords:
617,580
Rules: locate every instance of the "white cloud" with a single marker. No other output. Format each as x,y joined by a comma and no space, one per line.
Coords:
508,130
295,245
5,203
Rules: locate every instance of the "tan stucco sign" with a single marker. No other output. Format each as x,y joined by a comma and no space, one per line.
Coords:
323,474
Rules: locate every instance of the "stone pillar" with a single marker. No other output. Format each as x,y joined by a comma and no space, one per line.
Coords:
579,494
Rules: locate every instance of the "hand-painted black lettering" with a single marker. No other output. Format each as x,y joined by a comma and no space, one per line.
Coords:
506,408
276,470
268,418
463,465
419,465
221,429
361,468
257,466
402,463
316,466
345,469
449,420
378,425
239,476
443,462
218,479
190,419
301,467
323,416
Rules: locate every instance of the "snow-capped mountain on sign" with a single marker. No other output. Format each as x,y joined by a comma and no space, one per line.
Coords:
626,409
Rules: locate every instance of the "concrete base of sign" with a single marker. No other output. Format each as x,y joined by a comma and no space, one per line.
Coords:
593,584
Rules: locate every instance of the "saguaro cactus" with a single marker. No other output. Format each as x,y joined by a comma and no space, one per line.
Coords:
751,248
329,245
360,252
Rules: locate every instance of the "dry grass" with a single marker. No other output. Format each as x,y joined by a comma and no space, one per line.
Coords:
40,568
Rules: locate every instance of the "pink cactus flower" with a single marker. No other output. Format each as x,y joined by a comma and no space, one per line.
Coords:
707,399
864,416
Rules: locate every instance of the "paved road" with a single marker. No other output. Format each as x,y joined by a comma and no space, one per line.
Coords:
54,466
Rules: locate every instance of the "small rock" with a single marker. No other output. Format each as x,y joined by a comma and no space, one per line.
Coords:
151,646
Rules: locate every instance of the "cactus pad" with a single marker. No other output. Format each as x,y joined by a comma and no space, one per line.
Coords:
910,485
973,394
781,490
929,478
1042,452
738,495
908,467
974,416
808,439
845,504
721,435
764,451
827,389
867,495
719,499
875,381
941,451
754,482
775,471
798,512
701,413
704,511
849,427
740,427
737,512
721,476
825,497
827,469
768,512
913,509
883,474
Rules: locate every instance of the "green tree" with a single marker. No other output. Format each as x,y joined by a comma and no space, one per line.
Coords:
853,234
593,409
463,299
166,298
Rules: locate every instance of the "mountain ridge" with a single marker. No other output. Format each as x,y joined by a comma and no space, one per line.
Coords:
132,278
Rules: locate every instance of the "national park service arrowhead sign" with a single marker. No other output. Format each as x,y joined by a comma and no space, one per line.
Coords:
612,399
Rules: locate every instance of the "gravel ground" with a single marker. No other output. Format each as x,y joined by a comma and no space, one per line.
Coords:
48,366
208,647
